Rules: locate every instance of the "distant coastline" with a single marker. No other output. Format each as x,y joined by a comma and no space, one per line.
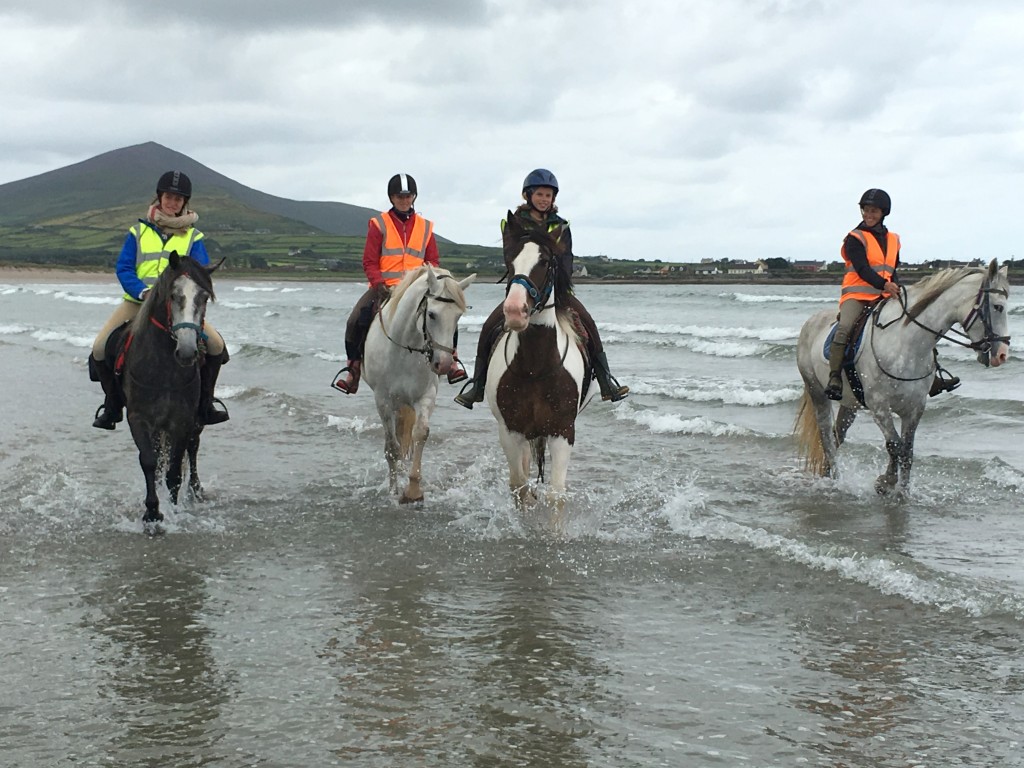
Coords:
54,274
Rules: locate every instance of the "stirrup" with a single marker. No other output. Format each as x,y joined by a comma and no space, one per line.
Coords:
215,416
106,420
457,372
618,393
341,384
943,383
474,395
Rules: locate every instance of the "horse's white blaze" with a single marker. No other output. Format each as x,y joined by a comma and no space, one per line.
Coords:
187,306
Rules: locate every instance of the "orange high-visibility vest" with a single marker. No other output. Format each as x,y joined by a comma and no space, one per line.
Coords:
884,265
398,257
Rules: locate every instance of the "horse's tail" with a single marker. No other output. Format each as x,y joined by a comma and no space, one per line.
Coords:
405,419
538,447
808,435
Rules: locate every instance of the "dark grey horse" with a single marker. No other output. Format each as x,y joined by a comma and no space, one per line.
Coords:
161,380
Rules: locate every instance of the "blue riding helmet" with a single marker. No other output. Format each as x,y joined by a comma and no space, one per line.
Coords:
541,177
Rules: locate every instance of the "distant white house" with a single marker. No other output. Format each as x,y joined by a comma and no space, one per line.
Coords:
747,268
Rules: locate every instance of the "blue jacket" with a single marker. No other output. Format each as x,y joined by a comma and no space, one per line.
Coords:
125,268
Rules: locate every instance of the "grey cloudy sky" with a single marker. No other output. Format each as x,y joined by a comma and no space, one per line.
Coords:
678,129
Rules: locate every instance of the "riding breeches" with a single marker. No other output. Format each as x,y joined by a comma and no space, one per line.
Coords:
127,310
358,324
849,311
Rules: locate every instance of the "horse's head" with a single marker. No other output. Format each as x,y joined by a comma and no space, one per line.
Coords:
988,324
538,279
177,303
423,314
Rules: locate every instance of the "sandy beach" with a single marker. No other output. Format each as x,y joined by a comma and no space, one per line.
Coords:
10,274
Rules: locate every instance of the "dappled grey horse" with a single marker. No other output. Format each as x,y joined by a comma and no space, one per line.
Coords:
161,380
896,364
410,343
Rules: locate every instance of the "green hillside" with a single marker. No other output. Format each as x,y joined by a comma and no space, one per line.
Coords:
78,216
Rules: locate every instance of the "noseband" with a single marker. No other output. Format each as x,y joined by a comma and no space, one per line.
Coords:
540,296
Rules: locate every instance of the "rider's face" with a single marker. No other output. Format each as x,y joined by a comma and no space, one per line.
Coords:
871,214
171,203
402,201
542,198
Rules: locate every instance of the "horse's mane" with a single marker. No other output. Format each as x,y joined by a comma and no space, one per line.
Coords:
450,288
934,286
160,293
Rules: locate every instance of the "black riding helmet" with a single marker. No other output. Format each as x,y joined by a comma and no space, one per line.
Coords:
176,182
402,183
878,198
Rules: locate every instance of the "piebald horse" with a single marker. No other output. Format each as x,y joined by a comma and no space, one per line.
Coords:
896,365
539,377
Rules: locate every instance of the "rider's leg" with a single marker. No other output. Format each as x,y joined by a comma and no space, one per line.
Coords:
112,410
944,381
489,334
849,311
208,412
610,387
356,328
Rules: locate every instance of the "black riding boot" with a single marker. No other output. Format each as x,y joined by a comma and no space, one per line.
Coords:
834,389
475,391
208,413
610,387
112,410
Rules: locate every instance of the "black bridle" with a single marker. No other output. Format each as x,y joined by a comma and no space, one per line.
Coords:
981,310
429,343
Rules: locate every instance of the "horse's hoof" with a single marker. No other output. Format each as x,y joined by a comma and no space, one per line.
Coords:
884,485
406,499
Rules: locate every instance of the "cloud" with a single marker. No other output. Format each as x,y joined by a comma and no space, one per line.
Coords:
738,128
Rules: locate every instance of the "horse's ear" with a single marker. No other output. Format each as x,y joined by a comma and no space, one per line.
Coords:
431,277
464,284
216,266
174,261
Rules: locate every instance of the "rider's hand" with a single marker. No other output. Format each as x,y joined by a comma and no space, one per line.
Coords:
891,289
142,296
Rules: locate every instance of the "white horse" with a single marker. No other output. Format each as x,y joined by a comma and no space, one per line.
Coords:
896,363
410,343
538,376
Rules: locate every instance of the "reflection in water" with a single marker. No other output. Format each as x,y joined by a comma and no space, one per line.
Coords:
160,670
440,667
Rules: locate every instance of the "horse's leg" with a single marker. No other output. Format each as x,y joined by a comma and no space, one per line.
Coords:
193,465
148,461
517,453
559,452
906,455
175,457
826,432
420,433
886,481
844,420
389,420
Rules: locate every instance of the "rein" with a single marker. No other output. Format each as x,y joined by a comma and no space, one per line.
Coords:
982,309
429,343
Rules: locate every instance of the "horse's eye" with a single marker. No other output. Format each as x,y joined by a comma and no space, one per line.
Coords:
432,315
998,307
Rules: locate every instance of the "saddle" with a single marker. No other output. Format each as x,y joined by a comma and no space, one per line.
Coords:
852,347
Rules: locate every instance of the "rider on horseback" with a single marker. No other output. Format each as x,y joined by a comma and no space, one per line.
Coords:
872,255
397,241
169,226
539,211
